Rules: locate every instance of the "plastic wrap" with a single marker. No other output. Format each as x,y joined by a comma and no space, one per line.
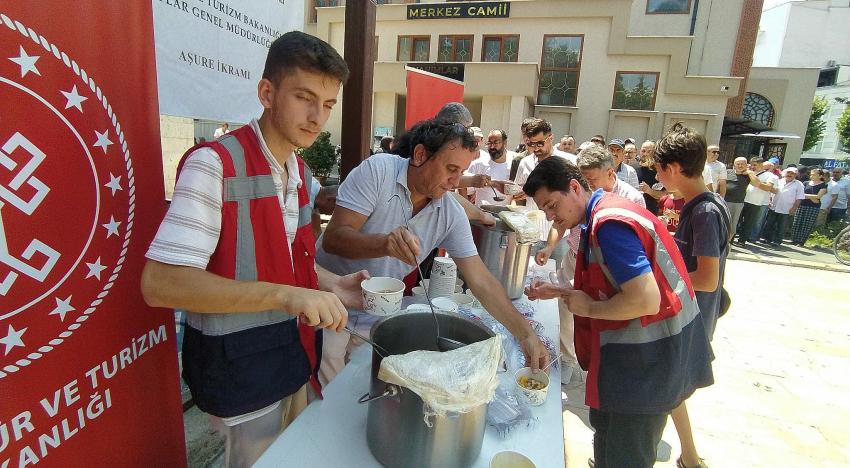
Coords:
526,229
451,381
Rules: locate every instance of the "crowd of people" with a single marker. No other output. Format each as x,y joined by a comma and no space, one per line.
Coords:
639,235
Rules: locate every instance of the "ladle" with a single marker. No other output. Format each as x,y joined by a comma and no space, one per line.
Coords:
383,352
443,343
496,196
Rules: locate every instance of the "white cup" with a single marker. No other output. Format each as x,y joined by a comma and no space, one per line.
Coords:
444,266
512,189
534,397
382,295
464,301
445,305
424,284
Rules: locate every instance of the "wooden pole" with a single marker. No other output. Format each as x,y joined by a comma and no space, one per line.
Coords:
357,94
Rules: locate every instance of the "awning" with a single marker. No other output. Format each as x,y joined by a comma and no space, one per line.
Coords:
733,127
772,134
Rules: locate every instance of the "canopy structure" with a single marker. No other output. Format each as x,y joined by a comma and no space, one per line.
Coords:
733,127
771,134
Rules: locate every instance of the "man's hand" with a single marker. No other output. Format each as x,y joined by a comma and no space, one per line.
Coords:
542,255
536,355
540,289
478,180
644,187
348,290
403,245
315,308
578,302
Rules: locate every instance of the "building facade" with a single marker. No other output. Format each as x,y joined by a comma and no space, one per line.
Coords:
620,68
812,33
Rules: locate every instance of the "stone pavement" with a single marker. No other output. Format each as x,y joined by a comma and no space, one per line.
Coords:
781,372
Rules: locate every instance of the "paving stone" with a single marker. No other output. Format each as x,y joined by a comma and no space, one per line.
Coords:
781,373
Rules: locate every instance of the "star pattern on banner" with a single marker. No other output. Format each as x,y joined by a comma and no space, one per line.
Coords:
13,338
95,269
111,227
63,306
103,140
74,98
26,62
114,183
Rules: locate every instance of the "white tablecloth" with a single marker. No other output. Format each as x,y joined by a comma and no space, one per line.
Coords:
332,432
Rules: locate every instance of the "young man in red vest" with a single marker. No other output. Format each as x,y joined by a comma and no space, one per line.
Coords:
236,252
637,326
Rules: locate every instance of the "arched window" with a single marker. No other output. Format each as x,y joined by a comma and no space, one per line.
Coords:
758,108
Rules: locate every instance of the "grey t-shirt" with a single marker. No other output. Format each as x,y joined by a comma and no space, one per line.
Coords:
370,190
703,232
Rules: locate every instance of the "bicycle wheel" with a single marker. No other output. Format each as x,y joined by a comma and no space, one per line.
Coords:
841,246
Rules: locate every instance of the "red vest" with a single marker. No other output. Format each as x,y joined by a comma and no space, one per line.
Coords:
262,352
639,365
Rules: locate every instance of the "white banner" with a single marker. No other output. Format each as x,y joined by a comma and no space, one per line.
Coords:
210,54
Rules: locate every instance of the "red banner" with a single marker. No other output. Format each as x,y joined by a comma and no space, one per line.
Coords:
427,93
88,373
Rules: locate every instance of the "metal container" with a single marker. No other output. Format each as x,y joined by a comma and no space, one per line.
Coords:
395,429
506,258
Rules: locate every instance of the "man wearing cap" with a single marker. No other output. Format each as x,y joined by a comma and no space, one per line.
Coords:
790,192
479,140
762,184
625,172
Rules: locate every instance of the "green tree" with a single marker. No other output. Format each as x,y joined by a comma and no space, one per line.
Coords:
843,127
816,127
321,156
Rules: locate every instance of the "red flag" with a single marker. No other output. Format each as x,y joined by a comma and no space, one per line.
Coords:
427,93
88,372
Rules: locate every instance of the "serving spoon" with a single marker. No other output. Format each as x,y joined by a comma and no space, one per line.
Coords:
443,343
496,196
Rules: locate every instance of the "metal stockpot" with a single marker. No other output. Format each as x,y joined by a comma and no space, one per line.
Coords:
506,258
395,429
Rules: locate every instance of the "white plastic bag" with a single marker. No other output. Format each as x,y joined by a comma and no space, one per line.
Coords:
526,229
451,381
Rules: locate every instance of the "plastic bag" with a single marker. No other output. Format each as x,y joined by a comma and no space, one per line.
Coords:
526,229
451,381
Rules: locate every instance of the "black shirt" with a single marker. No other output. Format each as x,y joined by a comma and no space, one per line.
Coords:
813,190
647,175
736,189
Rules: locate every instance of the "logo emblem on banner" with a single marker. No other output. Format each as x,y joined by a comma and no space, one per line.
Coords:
62,245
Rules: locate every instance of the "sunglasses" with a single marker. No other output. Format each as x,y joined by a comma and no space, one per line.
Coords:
536,144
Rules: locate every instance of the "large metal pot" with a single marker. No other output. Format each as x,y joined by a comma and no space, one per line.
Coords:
395,429
506,258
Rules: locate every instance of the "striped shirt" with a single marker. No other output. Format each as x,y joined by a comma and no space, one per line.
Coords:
189,234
